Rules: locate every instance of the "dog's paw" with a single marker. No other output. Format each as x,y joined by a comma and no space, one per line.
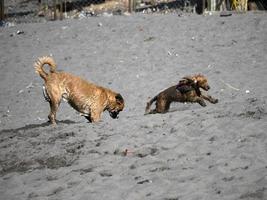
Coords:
215,101
203,104
147,111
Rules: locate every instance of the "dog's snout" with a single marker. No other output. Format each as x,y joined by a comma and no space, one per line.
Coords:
114,114
208,87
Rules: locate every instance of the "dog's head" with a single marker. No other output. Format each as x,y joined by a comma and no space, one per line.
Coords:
199,81
116,105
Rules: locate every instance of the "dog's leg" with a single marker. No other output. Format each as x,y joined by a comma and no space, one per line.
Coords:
162,106
167,106
154,111
199,100
210,99
147,111
45,94
148,105
88,118
54,104
53,111
95,115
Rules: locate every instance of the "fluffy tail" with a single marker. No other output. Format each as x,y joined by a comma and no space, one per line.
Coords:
148,104
39,66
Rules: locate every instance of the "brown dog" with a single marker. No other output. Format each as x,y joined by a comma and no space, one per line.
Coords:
188,90
87,98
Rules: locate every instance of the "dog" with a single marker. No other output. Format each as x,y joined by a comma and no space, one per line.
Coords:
87,98
187,90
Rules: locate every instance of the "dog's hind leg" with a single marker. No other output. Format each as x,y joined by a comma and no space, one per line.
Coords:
148,105
148,111
47,98
54,105
162,106
154,111
53,110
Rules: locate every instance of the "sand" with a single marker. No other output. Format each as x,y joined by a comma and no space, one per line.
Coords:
189,153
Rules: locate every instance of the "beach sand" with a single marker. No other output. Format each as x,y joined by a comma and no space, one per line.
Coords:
190,153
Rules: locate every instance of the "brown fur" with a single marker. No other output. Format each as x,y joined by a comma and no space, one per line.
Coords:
172,94
85,97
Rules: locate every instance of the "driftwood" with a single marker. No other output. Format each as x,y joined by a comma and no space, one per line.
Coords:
230,86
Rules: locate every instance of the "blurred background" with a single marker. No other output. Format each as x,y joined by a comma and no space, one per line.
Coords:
21,11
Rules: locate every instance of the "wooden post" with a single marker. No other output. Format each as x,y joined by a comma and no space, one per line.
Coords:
55,9
130,4
65,9
134,5
61,9
2,10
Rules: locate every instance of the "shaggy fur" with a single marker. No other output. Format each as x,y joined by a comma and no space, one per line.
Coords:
187,90
87,98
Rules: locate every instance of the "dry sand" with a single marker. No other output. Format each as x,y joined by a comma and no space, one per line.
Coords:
189,153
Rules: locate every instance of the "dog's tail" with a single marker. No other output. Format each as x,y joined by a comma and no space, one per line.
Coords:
148,104
39,66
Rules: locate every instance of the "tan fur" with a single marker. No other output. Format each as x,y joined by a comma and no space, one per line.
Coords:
171,94
85,97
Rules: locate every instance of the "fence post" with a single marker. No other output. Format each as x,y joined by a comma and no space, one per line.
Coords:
61,9
134,5
55,9
2,10
130,5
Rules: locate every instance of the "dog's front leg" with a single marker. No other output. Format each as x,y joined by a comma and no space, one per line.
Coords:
95,115
209,98
88,117
199,100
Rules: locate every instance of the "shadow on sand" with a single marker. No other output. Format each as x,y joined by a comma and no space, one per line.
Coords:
32,126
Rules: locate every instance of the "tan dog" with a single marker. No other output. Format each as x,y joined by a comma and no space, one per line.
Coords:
188,90
87,98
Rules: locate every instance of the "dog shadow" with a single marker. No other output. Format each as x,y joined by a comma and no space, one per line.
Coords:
33,126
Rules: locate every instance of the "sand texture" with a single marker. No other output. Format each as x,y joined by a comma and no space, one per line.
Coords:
190,153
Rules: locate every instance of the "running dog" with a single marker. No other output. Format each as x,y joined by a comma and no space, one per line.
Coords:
187,90
87,98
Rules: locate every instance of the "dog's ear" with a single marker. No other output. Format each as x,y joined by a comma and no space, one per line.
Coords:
119,99
189,80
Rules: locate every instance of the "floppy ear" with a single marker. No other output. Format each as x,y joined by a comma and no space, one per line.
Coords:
119,99
189,80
